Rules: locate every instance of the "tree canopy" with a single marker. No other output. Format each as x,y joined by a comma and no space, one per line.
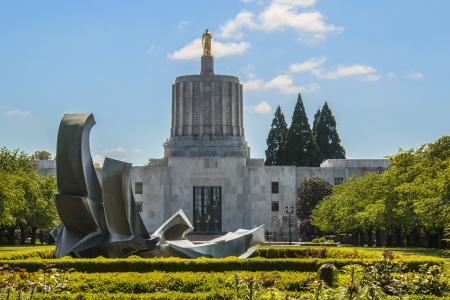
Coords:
26,198
326,135
410,200
276,139
42,155
300,148
309,194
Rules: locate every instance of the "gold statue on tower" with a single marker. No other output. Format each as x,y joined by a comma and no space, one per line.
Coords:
206,42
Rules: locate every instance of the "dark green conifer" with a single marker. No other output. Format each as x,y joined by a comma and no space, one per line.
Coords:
276,139
300,148
316,120
327,137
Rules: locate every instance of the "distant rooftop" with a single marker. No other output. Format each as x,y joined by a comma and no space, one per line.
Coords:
356,163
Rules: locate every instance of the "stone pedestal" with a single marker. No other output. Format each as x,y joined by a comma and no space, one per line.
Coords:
207,67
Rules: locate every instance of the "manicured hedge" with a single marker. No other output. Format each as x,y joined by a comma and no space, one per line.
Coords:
206,264
25,253
315,252
219,295
185,282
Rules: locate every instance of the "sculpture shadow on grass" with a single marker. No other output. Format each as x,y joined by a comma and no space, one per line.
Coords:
103,220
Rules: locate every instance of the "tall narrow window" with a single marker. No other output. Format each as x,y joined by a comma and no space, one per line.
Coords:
139,206
275,187
138,188
275,206
207,209
338,180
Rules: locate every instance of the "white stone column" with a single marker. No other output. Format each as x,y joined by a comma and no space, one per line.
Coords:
233,108
213,107
224,109
180,108
241,110
172,128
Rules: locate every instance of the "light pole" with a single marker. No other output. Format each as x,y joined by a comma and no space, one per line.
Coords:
289,212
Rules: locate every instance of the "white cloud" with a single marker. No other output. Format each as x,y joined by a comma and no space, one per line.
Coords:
416,76
98,159
373,77
282,83
253,84
282,14
369,72
294,3
260,108
232,29
307,66
277,15
193,50
315,67
391,75
18,113
118,149
151,50
183,24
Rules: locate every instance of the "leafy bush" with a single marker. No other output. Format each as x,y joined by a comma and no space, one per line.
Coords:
134,264
315,252
322,240
24,253
328,274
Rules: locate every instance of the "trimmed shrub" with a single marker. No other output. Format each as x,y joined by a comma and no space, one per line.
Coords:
25,253
328,273
315,252
103,265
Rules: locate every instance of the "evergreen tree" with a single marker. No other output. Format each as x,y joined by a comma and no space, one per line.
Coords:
300,148
316,120
326,135
276,139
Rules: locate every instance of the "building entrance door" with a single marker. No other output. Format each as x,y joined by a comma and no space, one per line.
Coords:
207,209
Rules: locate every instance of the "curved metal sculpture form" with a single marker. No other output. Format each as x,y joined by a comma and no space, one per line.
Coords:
122,216
104,220
175,228
79,200
231,244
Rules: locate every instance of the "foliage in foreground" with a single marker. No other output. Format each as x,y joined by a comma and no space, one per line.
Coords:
410,201
372,281
26,198
137,264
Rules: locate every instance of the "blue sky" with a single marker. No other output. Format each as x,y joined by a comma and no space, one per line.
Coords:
383,67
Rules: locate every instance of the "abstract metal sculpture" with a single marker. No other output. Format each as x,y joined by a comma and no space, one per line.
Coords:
104,220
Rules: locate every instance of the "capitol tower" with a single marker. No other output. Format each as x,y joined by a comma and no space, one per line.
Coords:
207,114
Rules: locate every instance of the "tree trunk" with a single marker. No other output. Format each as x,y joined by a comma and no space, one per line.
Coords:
361,238
378,238
33,236
440,235
355,238
369,238
398,236
23,235
412,238
388,238
11,236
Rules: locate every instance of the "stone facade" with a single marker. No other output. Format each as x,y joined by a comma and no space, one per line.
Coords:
207,115
207,148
